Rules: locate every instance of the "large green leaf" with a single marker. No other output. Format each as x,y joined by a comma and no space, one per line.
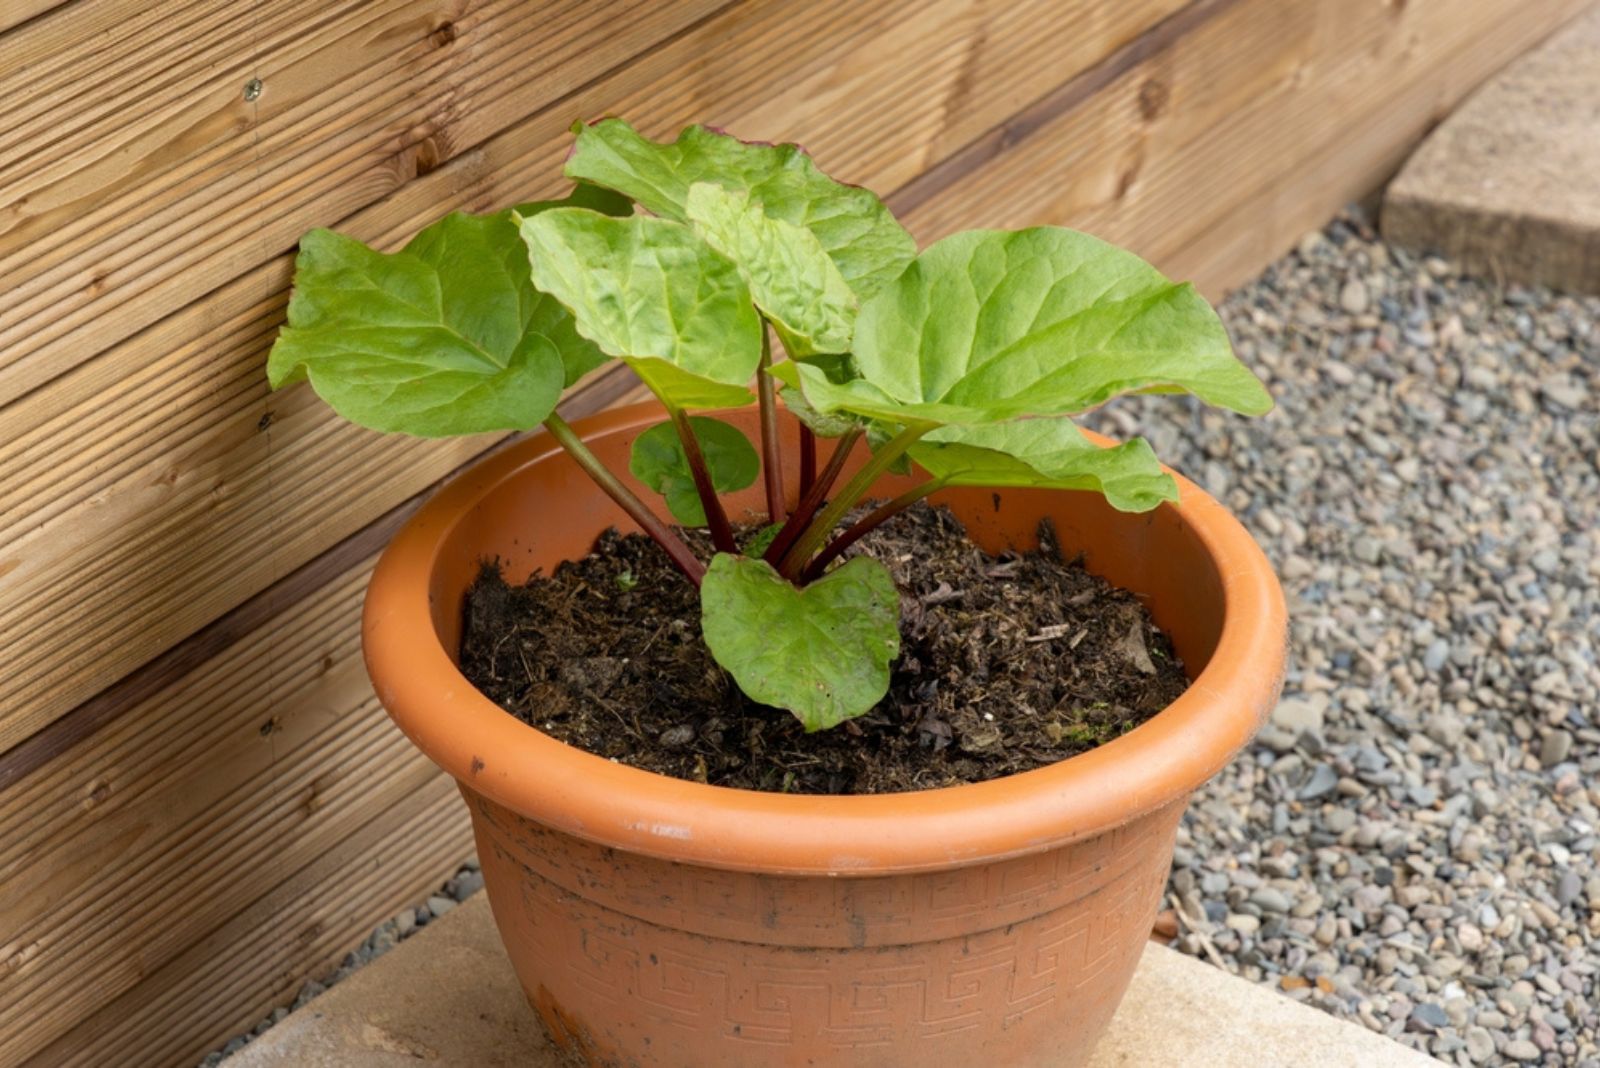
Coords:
1049,453
854,227
651,291
447,336
659,462
989,325
791,278
822,652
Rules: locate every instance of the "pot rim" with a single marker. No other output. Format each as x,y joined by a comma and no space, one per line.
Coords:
568,789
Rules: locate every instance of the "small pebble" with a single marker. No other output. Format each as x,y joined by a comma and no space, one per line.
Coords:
1520,1049
1322,782
1427,1017
467,884
1569,887
1480,1045
1353,297
1243,922
1555,748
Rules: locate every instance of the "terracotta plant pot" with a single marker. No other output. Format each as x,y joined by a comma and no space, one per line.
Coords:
654,921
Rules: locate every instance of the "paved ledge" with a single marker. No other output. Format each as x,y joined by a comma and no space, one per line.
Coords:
1507,184
446,997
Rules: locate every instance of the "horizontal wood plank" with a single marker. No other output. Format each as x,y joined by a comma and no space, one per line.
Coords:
136,171
1341,170
183,811
14,13
202,489
599,391
1214,123
223,984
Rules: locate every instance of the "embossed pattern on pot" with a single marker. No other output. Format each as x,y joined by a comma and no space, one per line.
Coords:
620,952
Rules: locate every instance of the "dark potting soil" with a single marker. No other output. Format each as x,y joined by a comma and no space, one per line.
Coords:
1007,663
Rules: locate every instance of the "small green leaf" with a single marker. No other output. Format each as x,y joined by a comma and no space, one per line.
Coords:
989,325
1047,453
823,425
822,652
791,278
652,292
447,336
854,227
658,461
758,543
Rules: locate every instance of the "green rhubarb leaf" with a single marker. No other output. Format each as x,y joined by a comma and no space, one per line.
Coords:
652,292
853,226
1049,453
447,336
822,652
659,462
790,277
990,325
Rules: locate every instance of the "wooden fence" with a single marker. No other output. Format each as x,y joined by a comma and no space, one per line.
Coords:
200,801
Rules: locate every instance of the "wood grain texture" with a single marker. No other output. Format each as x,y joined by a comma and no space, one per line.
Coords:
221,985
1216,121
186,809
138,173
14,13
600,391
1233,247
195,495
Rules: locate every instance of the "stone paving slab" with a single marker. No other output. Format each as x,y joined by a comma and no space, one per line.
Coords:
447,998
1509,184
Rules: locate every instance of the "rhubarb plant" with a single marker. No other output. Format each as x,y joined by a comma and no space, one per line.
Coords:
684,260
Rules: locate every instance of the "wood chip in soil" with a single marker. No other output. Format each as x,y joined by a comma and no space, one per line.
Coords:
1007,664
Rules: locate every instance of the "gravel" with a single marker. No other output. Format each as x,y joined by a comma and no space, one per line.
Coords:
462,885
1427,797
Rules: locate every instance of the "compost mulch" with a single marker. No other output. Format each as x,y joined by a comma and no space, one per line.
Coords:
1008,663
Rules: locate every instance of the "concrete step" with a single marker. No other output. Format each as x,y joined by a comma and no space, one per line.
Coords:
447,997
1509,184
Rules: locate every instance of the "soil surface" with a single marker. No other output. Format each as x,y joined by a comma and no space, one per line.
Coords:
1007,664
